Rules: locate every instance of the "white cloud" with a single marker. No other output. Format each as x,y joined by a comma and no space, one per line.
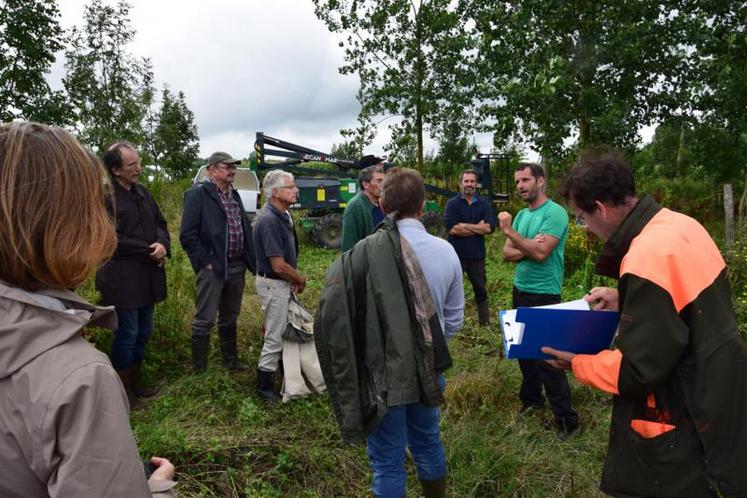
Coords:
249,66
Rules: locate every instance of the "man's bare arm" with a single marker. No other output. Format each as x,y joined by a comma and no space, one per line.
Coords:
538,248
511,253
287,272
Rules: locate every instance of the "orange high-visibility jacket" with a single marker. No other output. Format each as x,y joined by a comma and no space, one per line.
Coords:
678,372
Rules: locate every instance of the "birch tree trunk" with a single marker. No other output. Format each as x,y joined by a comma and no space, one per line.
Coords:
729,215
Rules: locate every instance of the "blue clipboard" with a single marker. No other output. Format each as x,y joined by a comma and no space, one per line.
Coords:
576,331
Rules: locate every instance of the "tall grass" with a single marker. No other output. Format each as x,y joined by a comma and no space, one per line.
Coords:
226,443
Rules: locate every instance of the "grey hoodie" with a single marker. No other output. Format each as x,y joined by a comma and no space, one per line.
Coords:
64,427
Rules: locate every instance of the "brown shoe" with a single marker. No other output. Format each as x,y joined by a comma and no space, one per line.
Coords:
126,377
137,384
434,489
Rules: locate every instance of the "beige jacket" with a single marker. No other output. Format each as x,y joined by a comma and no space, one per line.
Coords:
64,427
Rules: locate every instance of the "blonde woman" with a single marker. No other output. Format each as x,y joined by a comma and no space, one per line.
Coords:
64,414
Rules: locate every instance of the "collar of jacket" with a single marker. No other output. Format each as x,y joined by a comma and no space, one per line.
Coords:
212,189
616,247
135,189
100,316
389,226
35,322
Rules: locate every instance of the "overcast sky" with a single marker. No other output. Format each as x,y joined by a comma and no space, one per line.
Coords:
246,66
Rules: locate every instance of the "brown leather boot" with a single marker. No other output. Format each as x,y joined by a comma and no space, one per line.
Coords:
137,383
126,377
434,489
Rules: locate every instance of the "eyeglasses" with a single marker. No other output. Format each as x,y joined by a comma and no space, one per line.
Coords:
226,166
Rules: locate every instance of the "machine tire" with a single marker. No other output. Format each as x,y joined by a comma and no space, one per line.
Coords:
434,223
327,231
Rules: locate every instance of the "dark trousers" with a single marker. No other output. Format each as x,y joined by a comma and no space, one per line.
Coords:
221,297
133,330
537,373
475,270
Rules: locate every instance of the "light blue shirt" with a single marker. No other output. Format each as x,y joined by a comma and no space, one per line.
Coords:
440,265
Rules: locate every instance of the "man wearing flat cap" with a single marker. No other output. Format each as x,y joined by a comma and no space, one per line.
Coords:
216,235
363,212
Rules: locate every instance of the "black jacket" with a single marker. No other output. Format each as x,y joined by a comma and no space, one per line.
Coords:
680,367
204,230
131,279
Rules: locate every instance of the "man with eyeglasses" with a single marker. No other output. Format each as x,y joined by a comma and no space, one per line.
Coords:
678,370
277,276
216,235
536,242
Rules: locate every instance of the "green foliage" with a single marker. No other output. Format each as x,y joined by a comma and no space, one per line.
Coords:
687,195
581,249
720,94
113,97
109,88
736,260
455,149
410,58
355,139
226,442
176,142
699,152
30,34
556,69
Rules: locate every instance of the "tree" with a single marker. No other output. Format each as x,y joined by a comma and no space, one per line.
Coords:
176,142
720,97
598,70
455,149
30,34
355,140
109,88
410,57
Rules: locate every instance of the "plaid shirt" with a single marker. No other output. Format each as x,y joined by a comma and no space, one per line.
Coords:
233,215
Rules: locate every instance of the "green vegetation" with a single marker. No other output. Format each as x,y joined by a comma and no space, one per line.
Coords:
226,442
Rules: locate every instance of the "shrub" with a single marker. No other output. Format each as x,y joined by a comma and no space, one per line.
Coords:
692,197
736,260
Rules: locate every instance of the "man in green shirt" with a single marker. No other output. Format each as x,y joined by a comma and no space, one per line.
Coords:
536,243
363,213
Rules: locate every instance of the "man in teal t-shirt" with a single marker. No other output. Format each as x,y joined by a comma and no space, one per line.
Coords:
536,243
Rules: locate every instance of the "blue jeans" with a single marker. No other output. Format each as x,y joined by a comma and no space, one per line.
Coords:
416,426
133,330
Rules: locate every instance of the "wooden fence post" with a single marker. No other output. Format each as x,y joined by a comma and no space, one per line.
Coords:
729,215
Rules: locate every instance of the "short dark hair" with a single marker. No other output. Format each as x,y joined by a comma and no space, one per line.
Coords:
369,160
536,169
403,190
112,158
600,174
469,171
366,174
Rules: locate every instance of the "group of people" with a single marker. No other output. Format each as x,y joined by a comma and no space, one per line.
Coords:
64,412
391,303
535,241
677,370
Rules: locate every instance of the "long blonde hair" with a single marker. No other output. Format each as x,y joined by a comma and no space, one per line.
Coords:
54,226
